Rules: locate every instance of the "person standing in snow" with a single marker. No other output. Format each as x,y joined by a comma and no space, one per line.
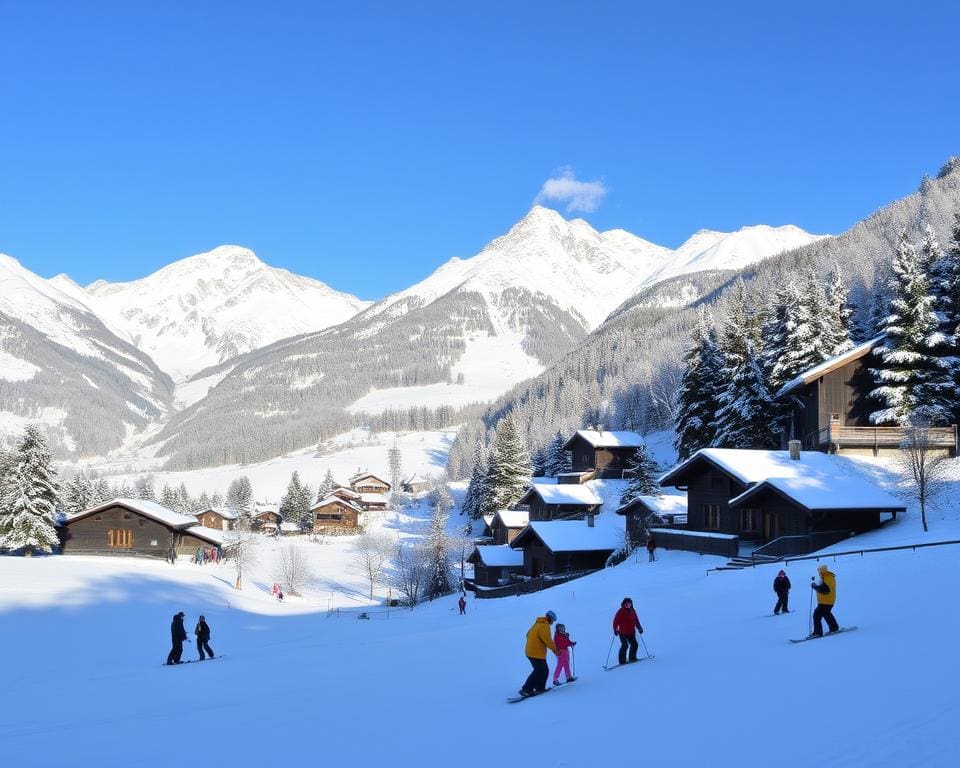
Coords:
538,640
563,642
202,632
463,605
651,548
826,599
625,626
177,635
781,585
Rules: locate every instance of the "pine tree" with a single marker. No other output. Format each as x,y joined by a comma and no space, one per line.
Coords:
948,306
477,487
296,503
836,317
643,472
240,495
510,470
700,386
143,488
396,466
747,417
556,459
30,497
908,373
327,486
102,492
203,501
168,497
217,500
78,494
437,545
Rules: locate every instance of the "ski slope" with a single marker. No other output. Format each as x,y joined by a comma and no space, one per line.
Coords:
428,687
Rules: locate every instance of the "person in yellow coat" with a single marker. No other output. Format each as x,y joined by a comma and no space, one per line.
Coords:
538,640
826,598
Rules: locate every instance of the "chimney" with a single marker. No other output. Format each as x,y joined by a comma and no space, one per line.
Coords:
589,521
794,447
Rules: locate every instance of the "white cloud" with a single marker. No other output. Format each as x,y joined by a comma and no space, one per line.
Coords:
584,196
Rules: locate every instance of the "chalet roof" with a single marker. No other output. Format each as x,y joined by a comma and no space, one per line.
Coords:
364,475
289,527
604,439
226,514
345,492
488,519
373,498
667,504
499,556
416,478
811,375
327,500
212,535
825,492
146,508
563,494
573,535
513,518
259,508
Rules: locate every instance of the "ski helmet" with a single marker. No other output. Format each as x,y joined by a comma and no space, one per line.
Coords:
551,616
625,602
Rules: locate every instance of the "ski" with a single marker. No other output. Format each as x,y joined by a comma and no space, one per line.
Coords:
779,614
568,680
515,699
629,663
192,661
820,637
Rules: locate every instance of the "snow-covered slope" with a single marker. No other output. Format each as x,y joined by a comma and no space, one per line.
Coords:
60,363
208,308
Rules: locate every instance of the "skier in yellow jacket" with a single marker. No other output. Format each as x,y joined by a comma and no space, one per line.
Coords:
538,640
826,598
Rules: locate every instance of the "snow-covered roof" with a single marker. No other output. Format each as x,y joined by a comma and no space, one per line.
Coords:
331,498
574,535
259,508
826,366
698,534
513,518
345,492
488,519
373,498
604,439
416,479
226,514
213,535
292,527
563,494
824,492
364,475
146,508
667,504
500,556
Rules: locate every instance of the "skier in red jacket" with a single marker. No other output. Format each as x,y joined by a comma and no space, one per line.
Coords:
625,626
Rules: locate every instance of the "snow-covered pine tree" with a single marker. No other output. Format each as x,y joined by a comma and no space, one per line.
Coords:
203,501
437,545
748,416
143,488
836,317
327,486
30,497
780,335
908,373
101,491
240,495
296,503
510,470
217,500
477,487
643,472
78,494
168,497
556,460
185,503
700,386
396,466
947,291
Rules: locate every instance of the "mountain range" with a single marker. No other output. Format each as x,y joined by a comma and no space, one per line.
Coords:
222,333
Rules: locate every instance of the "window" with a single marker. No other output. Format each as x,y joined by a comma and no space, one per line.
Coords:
711,516
749,519
141,522
325,516
122,539
127,515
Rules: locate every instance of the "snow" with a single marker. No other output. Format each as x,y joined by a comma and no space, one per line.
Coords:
14,369
674,503
215,535
373,498
564,494
614,439
834,362
826,492
607,533
149,509
500,556
512,518
698,534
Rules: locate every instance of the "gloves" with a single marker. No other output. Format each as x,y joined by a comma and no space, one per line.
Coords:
572,643
616,634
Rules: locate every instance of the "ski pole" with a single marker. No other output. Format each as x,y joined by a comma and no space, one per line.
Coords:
810,609
644,646
607,664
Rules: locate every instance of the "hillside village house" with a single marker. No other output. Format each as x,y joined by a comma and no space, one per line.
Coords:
364,482
601,454
266,519
335,515
564,546
134,527
415,484
831,410
764,495
494,565
553,501
667,509
505,524
221,518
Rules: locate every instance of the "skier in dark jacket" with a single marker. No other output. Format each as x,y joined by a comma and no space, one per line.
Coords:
781,585
203,638
177,635
625,626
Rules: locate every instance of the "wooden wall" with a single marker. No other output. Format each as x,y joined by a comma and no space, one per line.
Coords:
334,515
91,534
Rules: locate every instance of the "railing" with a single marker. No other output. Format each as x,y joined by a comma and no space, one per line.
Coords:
527,586
704,543
883,437
798,545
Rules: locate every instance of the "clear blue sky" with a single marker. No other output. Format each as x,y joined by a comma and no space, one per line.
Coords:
366,143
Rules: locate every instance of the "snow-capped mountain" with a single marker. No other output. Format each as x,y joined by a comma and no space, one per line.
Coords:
208,308
61,364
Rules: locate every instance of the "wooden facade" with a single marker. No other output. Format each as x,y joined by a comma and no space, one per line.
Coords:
540,509
212,518
603,454
504,528
193,538
490,575
334,515
115,529
367,483
539,559
266,521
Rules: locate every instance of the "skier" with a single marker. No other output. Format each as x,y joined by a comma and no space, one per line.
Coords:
203,638
826,598
625,626
177,634
276,588
563,642
280,594
538,640
463,605
781,585
651,548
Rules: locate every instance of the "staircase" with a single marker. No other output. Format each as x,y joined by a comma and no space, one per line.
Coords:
739,563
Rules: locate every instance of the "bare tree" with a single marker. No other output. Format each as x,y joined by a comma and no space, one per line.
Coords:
293,569
372,550
240,546
412,568
924,460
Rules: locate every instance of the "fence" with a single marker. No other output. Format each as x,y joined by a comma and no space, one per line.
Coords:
798,545
702,542
528,586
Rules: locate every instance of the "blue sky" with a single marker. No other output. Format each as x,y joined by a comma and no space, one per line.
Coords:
366,143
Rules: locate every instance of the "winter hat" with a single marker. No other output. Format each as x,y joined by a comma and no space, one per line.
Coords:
562,628
181,614
822,569
551,615
782,573
623,603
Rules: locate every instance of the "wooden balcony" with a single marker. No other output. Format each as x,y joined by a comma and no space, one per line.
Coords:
839,437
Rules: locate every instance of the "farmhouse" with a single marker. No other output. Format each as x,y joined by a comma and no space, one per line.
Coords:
221,518
126,527
563,546
372,501
493,565
266,518
364,482
507,523
668,509
415,484
765,495
200,536
550,501
605,454
346,494
830,409
335,515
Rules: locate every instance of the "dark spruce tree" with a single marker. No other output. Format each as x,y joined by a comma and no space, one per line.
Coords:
700,387
642,474
30,497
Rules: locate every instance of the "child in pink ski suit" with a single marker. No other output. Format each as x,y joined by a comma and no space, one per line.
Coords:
563,642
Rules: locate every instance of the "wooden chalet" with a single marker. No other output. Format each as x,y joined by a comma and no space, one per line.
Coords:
605,454
668,509
365,482
831,409
564,546
200,536
222,519
507,523
265,519
765,495
128,527
553,501
347,494
373,501
415,484
494,565
334,515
